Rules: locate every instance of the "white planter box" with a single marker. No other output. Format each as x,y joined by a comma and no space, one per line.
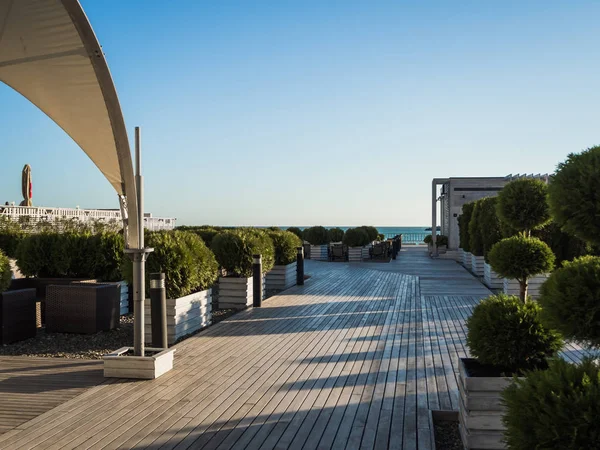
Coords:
124,303
466,260
477,263
366,254
319,252
491,278
281,277
355,254
511,287
185,315
138,367
236,292
481,410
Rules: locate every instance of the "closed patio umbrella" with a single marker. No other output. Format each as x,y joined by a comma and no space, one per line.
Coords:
26,187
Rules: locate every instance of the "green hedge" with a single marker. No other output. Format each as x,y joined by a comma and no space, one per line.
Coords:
45,255
335,234
234,251
10,236
356,237
285,244
297,231
189,266
5,272
508,334
316,235
475,237
489,225
557,408
463,226
439,240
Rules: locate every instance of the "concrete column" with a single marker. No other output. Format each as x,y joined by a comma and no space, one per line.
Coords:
434,217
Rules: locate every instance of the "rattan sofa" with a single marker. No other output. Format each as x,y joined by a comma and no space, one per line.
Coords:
17,315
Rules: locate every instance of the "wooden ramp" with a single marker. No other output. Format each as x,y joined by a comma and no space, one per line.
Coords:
32,386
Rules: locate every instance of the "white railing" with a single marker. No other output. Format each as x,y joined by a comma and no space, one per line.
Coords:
414,238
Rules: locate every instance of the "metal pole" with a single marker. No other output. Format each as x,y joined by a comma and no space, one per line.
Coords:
158,310
300,266
257,287
434,218
139,282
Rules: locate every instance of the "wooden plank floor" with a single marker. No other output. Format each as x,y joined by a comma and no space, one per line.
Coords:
353,359
32,386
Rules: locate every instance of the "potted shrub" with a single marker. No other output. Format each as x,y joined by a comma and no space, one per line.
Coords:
335,234
505,337
318,238
463,228
490,232
356,239
297,231
283,274
441,242
476,241
234,250
523,206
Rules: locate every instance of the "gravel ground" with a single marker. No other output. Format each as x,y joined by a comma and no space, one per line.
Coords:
447,436
67,345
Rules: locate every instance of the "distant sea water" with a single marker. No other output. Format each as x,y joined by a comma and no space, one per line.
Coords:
410,234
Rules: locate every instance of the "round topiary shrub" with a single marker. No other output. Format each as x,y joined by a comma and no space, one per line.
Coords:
439,241
44,255
316,235
372,232
297,231
508,334
335,234
520,258
475,238
356,237
573,195
463,226
285,244
234,250
557,408
523,204
5,272
489,225
571,300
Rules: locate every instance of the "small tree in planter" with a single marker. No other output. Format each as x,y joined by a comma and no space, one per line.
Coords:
335,234
372,232
318,238
356,239
476,240
234,250
490,232
522,205
506,337
297,231
463,229
283,274
441,242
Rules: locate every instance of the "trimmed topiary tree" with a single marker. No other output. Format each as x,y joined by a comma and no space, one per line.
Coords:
335,234
508,334
489,225
571,300
297,231
285,244
356,237
573,195
234,250
372,232
463,226
316,235
5,272
523,205
556,408
520,258
475,238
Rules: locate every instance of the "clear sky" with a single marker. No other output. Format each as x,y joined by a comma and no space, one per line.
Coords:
322,112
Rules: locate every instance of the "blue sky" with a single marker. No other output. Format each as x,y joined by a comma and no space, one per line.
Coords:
322,112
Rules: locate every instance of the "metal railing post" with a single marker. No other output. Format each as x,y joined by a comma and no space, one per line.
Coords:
300,266
158,310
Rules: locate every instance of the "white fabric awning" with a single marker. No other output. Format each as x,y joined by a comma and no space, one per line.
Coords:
49,54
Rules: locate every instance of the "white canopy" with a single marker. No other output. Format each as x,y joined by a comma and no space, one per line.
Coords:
49,53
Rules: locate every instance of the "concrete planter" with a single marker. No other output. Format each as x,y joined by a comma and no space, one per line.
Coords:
119,365
366,251
236,292
281,278
466,260
491,278
355,254
319,252
511,287
185,315
477,263
480,408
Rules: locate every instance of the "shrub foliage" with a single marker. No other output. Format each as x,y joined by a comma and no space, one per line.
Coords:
573,195
520,258
316,235
5,272
356,237
372,232
285,244
297,231
475,238
523,204
234,250
556,408
507,333
335,234
10,236
489,228
463,226
571,300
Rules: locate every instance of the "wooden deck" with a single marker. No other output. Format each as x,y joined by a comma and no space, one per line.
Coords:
353,359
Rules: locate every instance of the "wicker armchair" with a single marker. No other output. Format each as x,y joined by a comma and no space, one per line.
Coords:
17,315
82,308
339,253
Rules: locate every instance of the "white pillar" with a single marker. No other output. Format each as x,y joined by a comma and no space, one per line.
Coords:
434,217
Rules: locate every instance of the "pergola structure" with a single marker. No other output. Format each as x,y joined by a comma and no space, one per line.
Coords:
50,55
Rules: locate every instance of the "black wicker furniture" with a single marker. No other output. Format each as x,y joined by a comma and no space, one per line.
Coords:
17,315
82,308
